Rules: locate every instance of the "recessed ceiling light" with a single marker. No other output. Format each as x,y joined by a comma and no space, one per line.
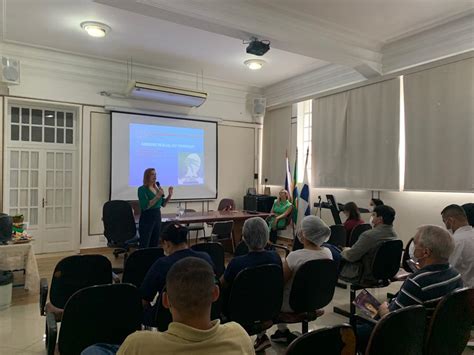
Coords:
254,64
95,29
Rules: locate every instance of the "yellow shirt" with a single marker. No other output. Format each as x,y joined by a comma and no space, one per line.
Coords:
229,338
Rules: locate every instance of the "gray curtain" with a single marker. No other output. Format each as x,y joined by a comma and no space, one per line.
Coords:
439,115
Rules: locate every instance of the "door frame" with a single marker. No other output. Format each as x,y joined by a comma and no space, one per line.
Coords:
7,102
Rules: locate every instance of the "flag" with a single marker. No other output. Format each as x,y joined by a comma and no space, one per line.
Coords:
288,179
295,190
304,207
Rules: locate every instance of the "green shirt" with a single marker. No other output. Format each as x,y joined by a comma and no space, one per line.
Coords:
145,195
280,208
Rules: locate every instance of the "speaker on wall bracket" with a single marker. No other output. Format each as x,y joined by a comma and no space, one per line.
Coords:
10,73
259,105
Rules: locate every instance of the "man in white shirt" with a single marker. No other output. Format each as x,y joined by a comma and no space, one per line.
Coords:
462,259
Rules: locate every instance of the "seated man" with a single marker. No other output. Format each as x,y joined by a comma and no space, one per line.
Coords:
357,260
313,233
462,259
435,279
190,291
174,242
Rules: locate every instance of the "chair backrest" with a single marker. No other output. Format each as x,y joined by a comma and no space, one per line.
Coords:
119,223
450,326
313,285
387,259
99,314
217,254
76,272
338,235
256,295
138,263
223,229
226,203
337,340
399,332
357,231
406,256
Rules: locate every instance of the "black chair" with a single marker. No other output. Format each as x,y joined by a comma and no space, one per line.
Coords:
70,275
384,267
243,249
338,235
194,227
96,314
138,263
312,289
337,340
399,332
119,227
222,232
216,252
255,297
450,326
297,244
357,231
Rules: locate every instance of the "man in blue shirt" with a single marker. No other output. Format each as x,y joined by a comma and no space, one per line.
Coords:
174,242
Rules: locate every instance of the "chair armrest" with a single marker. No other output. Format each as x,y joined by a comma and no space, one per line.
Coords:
51,333
278,246
43,295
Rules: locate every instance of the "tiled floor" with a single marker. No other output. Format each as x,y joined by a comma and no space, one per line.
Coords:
22,327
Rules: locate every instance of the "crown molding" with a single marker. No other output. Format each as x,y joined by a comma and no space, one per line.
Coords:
451,38
310,84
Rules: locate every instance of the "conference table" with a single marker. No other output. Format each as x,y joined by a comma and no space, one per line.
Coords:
237,216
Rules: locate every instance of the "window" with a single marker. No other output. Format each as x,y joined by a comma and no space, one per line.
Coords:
304,136
43,126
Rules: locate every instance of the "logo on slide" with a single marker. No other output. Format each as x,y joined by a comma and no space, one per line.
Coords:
190,169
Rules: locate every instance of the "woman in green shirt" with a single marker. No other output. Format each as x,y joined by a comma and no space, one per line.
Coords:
151,198
281,209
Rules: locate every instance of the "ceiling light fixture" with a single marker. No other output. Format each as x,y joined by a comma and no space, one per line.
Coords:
95,29
254,64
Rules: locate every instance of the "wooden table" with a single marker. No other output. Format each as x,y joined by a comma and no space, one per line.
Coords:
15,257
238,217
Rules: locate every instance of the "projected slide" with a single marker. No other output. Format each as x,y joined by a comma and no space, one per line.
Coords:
183,152
176,152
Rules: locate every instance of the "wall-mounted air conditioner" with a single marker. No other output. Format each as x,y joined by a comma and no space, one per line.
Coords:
166,94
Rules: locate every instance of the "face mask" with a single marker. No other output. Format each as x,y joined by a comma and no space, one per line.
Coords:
411,251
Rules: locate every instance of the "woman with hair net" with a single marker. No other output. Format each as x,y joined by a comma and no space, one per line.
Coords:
312,233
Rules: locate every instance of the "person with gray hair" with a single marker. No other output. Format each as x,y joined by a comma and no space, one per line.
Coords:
312,233
255,234
462,259
427,286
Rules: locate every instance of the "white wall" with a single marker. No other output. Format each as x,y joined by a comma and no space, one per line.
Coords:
57,77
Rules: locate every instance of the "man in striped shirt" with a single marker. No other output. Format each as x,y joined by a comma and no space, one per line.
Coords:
435,279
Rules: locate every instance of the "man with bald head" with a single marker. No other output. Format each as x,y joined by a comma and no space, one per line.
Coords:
462,258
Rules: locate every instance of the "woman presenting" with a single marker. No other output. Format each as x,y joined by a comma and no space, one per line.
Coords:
151,197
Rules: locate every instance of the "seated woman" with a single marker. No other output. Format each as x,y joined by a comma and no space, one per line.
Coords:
313,233
351,211
281,209
255,235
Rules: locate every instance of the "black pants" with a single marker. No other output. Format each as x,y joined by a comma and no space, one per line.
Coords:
149,228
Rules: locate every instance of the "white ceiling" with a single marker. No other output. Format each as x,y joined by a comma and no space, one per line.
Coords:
206,35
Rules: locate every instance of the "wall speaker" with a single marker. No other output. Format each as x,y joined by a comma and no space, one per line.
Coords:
10,71
258,109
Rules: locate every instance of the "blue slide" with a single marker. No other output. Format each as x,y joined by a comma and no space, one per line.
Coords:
176,153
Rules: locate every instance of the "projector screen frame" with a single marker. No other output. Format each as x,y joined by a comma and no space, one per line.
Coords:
168,116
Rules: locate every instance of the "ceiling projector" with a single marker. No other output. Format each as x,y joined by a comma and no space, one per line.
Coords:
257,47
